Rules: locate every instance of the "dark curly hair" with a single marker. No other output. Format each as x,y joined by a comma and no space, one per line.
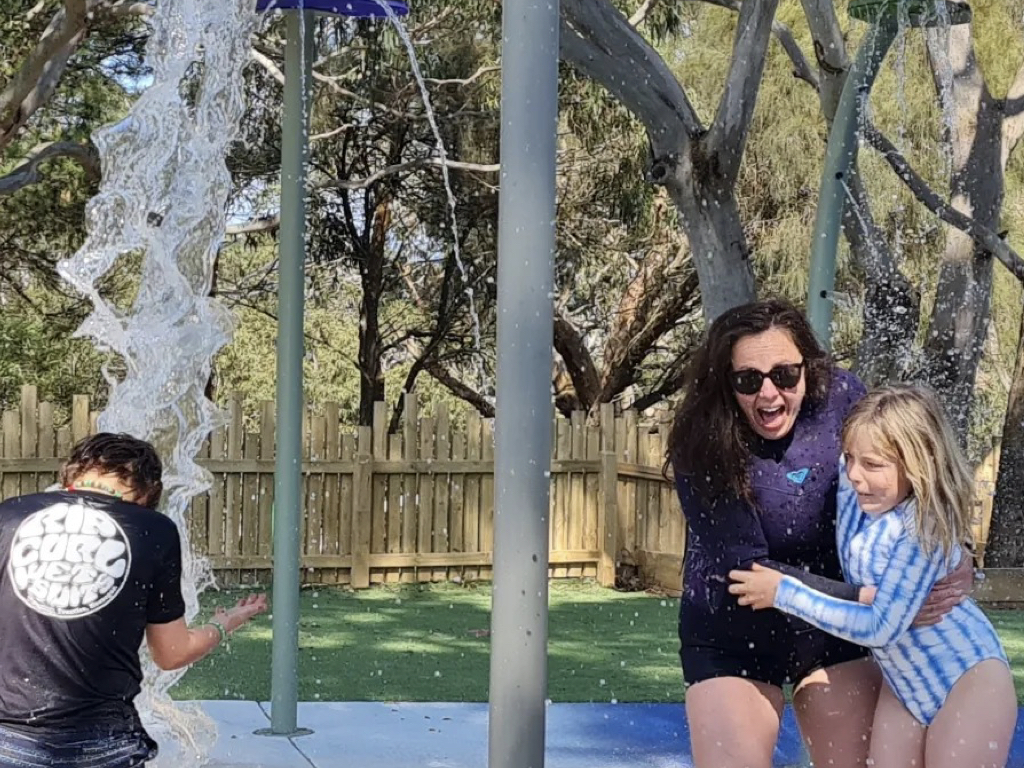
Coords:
709,442
132,461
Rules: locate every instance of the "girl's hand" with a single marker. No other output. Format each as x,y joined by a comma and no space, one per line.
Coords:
756,587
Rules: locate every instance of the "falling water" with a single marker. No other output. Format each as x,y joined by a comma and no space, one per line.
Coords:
428,108
163,196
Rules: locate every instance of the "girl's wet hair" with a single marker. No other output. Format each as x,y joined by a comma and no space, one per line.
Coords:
132,461
710,436
906,425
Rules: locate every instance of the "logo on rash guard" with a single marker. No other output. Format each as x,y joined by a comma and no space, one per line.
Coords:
68,560
798,476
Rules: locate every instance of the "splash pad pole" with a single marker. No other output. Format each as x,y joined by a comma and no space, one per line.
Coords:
290,352
288,498
526,246
841,154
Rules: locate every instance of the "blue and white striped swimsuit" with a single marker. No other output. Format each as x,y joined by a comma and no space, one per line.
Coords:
920,664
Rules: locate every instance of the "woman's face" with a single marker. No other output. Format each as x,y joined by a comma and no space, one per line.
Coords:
772,409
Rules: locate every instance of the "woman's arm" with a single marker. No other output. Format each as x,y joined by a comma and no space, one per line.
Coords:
908,578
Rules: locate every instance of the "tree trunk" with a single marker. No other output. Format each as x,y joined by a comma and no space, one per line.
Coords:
714,229
371,372
960,318
1005,546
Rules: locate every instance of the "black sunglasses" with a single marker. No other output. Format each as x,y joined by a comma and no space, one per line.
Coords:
749,380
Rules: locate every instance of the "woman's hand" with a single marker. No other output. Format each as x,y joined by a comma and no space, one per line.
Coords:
755,587
233,618
947,593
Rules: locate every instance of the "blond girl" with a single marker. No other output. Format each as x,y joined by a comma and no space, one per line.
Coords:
903,521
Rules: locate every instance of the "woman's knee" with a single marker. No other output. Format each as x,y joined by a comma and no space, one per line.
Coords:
733,721
835,707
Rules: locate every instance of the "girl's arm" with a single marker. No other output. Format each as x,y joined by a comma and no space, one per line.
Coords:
731,528
909,576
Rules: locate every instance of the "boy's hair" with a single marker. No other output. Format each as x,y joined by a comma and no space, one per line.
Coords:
134,462
907,425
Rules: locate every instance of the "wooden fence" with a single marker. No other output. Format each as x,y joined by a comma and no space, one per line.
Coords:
417,505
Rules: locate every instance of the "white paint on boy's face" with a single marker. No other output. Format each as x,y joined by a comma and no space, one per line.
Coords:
771,412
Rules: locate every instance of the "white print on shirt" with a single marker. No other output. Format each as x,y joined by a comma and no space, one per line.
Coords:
68,560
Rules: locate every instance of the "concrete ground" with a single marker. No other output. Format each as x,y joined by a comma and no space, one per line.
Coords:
450,735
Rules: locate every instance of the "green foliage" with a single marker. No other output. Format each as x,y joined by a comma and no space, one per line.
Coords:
38,349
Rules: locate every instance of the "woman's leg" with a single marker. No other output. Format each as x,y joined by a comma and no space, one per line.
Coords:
734,722
897,738
975,725
835,707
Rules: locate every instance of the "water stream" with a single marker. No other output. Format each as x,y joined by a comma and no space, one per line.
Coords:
162,203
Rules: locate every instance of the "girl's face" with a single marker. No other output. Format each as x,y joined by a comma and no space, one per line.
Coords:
880,482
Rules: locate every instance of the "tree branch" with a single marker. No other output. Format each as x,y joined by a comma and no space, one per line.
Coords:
983,236
600,43
391,170
672,382
266,224
35,81
268,64
460,80
802,69
727,136
641,14
1013,108
460,390
579,363
28,172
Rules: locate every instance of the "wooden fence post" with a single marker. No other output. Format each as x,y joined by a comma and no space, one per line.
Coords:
362,510
79,418
608,499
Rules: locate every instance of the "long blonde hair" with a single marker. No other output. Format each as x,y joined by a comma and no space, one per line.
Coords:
907,425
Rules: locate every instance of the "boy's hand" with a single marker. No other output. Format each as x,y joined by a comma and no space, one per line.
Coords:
242,612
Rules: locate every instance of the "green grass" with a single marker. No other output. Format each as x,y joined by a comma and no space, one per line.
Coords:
429,644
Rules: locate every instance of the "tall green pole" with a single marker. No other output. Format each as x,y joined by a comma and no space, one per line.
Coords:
288,508
839,160
883,16
523,425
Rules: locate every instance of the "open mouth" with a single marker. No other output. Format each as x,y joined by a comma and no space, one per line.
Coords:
771,417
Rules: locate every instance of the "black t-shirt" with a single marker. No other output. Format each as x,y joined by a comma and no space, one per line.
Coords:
82,576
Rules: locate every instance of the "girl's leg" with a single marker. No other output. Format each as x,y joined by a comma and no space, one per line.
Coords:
734,722
975,725
835,707
897,738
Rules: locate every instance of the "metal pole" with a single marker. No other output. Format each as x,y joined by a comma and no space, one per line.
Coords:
291,288
839,159
526,246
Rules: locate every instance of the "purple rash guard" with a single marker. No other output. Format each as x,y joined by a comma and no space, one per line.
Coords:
793,530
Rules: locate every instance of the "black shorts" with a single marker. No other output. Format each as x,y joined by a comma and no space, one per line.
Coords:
789,663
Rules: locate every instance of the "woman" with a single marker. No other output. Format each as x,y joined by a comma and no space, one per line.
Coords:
759,486
89,571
